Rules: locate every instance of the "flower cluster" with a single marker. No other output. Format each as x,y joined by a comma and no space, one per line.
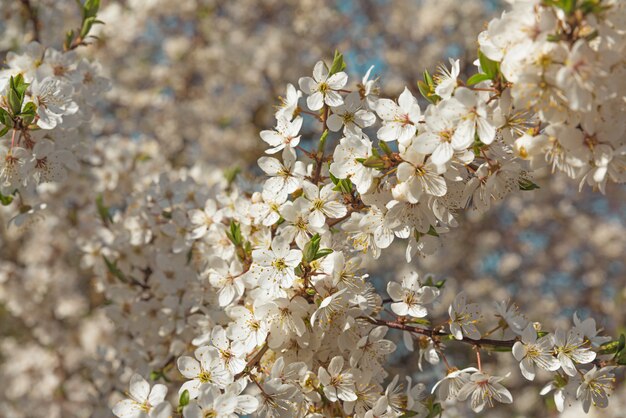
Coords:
271,281
45,97
566,68
257,298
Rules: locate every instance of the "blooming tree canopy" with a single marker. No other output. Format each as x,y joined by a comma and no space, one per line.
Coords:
253,298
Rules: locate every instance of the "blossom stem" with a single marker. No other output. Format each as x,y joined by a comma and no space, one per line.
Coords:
434,334
254,361
346,216
315,115
34,18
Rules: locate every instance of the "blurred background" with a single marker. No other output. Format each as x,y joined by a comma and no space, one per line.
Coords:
196,80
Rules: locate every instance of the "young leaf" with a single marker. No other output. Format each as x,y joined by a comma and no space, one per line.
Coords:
114,270
5,118
526,184
489,67
184,398
230,174
477,78
103,211
322,253
234,234
311,248
5,200
338,64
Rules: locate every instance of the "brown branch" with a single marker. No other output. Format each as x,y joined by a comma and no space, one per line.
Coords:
254,361
319,157
438,334
34,18
346,216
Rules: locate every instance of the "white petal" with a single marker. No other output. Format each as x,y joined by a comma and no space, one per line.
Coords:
315,101
139,388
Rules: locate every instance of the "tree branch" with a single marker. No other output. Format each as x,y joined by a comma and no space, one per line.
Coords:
34,18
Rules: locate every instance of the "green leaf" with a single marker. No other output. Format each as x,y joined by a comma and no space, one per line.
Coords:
15,103
334,179
345,186
184,398
428,79
322,253
86,27
554,37
5,200
489,67
230,174
501,349
569,6
432,231
298,270
438,285
69,38
477,78
428,92
383,146
20,86
114,270
234,235
311,248
622,343
5,118
28,113
322,143
420,321
374,162
103,211
593,6
526,184
612,347
90,8
338,65
435,410
4,131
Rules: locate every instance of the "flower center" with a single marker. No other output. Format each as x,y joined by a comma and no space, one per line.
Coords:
279,264
204,376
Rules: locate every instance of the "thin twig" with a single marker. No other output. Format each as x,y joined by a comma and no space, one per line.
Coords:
34,18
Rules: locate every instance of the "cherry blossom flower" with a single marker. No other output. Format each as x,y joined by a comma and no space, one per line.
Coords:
399,120
596,387
410,296
284,136
322,89
350,116
205,370
144,402
448,388
276,265
447,79
533,351
289,103
484,389
346,161
570,349
323,203
463,318
53,98
338,384
286,177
